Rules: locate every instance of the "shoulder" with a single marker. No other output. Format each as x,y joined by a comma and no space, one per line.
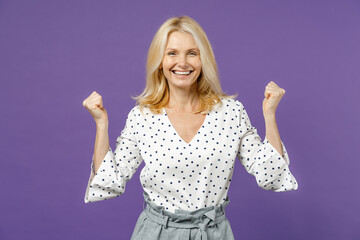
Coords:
141,114
133,114
134,111
231,104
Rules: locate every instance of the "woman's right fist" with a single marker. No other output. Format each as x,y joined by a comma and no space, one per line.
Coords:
95,106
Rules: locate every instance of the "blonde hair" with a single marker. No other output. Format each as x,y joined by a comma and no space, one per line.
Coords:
156,93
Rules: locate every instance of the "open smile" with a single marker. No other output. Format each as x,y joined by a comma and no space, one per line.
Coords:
182,73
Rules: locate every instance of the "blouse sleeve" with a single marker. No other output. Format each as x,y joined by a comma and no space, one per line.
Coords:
118,167
262,160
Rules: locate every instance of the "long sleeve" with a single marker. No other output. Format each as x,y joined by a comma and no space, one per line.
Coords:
262,160
118,167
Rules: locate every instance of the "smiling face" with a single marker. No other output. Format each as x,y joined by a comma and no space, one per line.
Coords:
181,62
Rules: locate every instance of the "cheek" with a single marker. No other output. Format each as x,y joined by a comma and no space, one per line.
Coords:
166,68
197,64
198,67
167,63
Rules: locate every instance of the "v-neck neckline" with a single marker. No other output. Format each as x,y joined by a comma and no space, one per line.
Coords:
178,135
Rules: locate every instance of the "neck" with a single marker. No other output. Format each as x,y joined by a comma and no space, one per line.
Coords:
184,100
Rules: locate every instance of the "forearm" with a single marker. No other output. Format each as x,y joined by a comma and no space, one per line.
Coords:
101,144
272,132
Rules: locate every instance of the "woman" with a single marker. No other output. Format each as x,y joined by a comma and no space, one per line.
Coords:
188,133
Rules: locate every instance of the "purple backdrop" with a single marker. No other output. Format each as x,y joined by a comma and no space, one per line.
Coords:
53,54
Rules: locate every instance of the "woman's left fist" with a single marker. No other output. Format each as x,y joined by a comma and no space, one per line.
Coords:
273,94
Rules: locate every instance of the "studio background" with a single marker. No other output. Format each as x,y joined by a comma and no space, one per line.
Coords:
54,54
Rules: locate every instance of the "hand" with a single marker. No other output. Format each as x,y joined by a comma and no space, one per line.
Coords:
273,94
95,106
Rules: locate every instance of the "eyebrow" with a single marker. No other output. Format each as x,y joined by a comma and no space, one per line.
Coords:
191,49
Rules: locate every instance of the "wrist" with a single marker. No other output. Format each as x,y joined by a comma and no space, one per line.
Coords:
269,115
102,124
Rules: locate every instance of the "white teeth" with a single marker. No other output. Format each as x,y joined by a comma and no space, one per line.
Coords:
182,73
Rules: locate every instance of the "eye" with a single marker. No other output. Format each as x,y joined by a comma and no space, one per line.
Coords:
193,53
171,53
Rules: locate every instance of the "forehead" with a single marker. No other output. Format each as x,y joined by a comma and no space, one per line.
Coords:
179,39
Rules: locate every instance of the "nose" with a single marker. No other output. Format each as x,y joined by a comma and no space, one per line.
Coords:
182,61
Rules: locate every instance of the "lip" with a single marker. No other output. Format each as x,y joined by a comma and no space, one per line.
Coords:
182,76
191,71
182,70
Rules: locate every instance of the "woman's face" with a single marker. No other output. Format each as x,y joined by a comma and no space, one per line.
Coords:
181,62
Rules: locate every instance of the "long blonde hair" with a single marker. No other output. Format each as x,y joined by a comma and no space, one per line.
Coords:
156,93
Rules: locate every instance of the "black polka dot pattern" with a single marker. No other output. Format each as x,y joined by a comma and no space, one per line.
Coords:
262,160
189,176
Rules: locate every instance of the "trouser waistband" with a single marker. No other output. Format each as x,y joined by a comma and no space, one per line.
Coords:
201,218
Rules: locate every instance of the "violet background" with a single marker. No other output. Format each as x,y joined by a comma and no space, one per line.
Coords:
53,54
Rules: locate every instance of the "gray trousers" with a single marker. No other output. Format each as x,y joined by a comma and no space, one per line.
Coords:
155,223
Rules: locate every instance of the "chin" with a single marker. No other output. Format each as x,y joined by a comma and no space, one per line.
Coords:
184,85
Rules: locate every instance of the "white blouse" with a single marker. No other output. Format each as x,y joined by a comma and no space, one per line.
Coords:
189,176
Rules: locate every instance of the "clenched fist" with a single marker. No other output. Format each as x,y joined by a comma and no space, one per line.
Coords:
273,94
95,106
